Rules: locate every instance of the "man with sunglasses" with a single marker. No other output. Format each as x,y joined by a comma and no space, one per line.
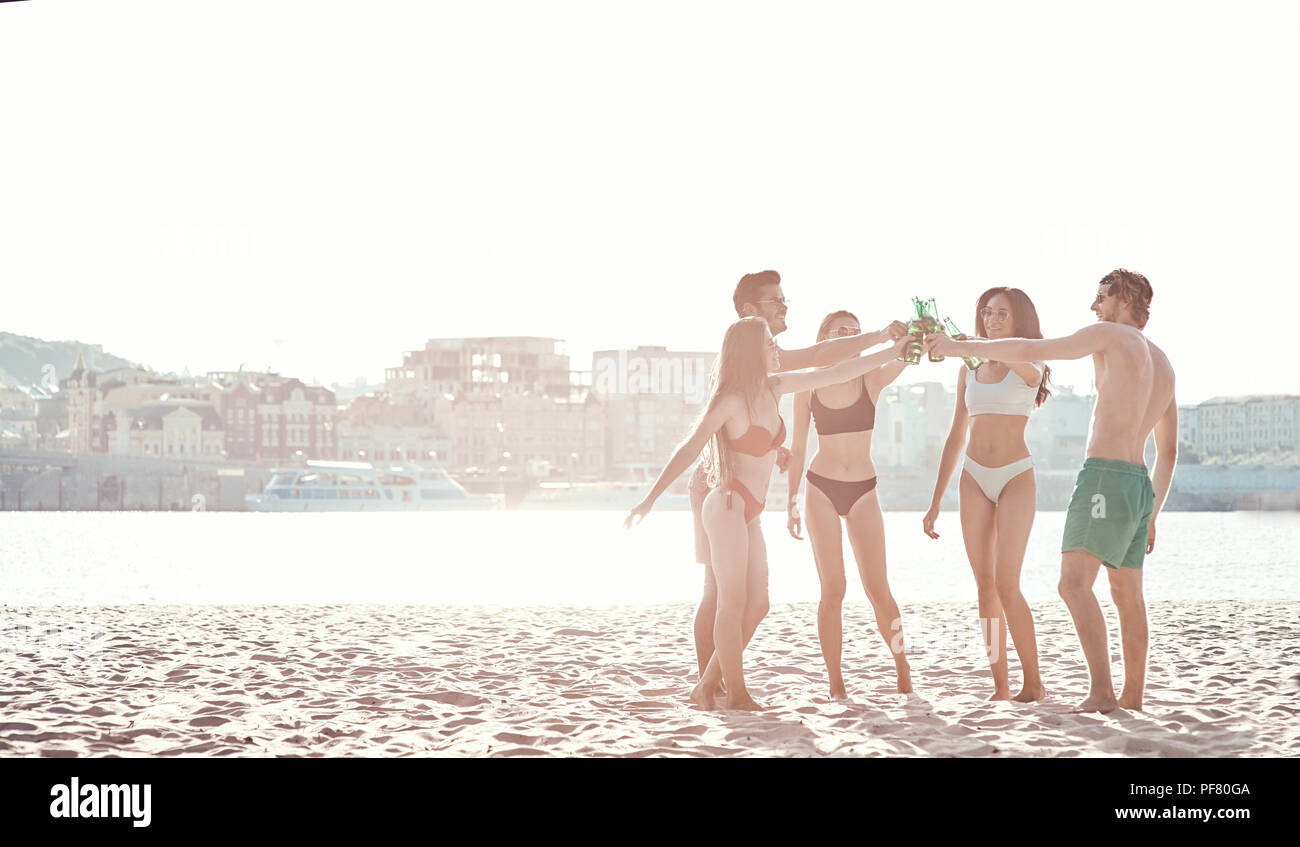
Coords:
759,294
1111,519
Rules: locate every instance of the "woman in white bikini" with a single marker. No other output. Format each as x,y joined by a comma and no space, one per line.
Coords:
997,489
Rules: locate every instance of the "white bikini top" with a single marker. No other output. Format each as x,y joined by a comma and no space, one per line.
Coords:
1011,396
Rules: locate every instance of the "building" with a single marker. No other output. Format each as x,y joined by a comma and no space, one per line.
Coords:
166,431
912,424
1057,432
651,398
484,403
1227,427
511,364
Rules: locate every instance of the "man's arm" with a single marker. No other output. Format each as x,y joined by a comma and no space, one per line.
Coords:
1085,342
1162,475
835,350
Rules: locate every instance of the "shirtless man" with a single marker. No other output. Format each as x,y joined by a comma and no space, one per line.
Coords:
760,294
1112,515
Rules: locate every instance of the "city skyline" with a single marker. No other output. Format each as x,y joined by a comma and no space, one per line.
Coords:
465,173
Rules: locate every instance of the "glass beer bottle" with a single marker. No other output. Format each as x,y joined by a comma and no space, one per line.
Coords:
972,362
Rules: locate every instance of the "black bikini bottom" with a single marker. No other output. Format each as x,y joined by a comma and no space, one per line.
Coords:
841,494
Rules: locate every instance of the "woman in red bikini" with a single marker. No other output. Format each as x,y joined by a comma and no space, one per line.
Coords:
997,489
842,486
742,427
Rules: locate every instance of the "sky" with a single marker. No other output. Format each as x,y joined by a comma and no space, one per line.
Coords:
319,186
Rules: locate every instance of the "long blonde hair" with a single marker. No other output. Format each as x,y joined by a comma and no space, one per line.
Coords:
741,368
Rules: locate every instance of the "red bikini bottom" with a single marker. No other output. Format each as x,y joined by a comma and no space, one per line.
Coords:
753,507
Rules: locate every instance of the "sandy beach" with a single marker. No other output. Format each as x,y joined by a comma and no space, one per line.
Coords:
370,680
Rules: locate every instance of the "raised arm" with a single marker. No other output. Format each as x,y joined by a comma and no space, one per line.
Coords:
682,458
951,452
1085,342
798,454
833,350
789,383
1162,475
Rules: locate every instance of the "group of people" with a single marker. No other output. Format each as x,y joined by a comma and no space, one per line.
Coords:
1110,520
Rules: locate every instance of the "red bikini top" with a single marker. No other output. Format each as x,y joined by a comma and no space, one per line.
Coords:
759,443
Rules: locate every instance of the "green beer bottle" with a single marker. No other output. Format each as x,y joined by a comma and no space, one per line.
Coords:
915,329
932,325
972,362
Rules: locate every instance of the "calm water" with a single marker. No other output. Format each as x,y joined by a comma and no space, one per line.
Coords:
559,557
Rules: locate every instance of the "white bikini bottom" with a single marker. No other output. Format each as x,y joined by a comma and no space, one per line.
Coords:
992,480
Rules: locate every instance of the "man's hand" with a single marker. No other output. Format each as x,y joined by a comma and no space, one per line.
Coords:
943,345
782,458
1151,537
896,330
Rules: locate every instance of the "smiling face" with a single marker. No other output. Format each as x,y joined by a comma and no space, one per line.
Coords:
998,317
770,306
1106,305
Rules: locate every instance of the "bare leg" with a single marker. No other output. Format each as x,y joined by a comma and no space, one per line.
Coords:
729,544
866,528
1015,517
1126,590
756,608
704,616
826,535
979,532
1078,573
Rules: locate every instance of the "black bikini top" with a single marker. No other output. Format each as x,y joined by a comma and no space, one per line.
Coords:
859,417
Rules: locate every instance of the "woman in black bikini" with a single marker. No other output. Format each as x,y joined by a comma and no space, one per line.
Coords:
742,428
842,484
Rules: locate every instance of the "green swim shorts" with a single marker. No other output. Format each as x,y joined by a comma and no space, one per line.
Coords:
1109,512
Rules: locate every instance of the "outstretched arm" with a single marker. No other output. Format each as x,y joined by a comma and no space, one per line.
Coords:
788,383
1085,342
682,458
798,452
1162,475
826,353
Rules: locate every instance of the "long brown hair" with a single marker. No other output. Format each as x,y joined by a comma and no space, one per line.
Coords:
741,368
1024,324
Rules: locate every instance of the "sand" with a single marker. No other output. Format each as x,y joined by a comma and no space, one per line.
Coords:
356,680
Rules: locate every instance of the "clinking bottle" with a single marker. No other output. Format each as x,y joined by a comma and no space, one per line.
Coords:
972,362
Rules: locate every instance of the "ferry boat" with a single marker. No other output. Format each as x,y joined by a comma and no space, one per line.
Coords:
361,487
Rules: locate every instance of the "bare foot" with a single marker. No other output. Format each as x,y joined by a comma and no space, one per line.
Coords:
1001,694
838,692
702,697
1029,695
743,703
1098,703
904,679
1128,701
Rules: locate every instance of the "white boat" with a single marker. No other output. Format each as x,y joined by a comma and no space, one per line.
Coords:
361,487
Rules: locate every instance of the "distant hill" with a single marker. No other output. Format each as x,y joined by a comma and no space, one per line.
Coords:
23,359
